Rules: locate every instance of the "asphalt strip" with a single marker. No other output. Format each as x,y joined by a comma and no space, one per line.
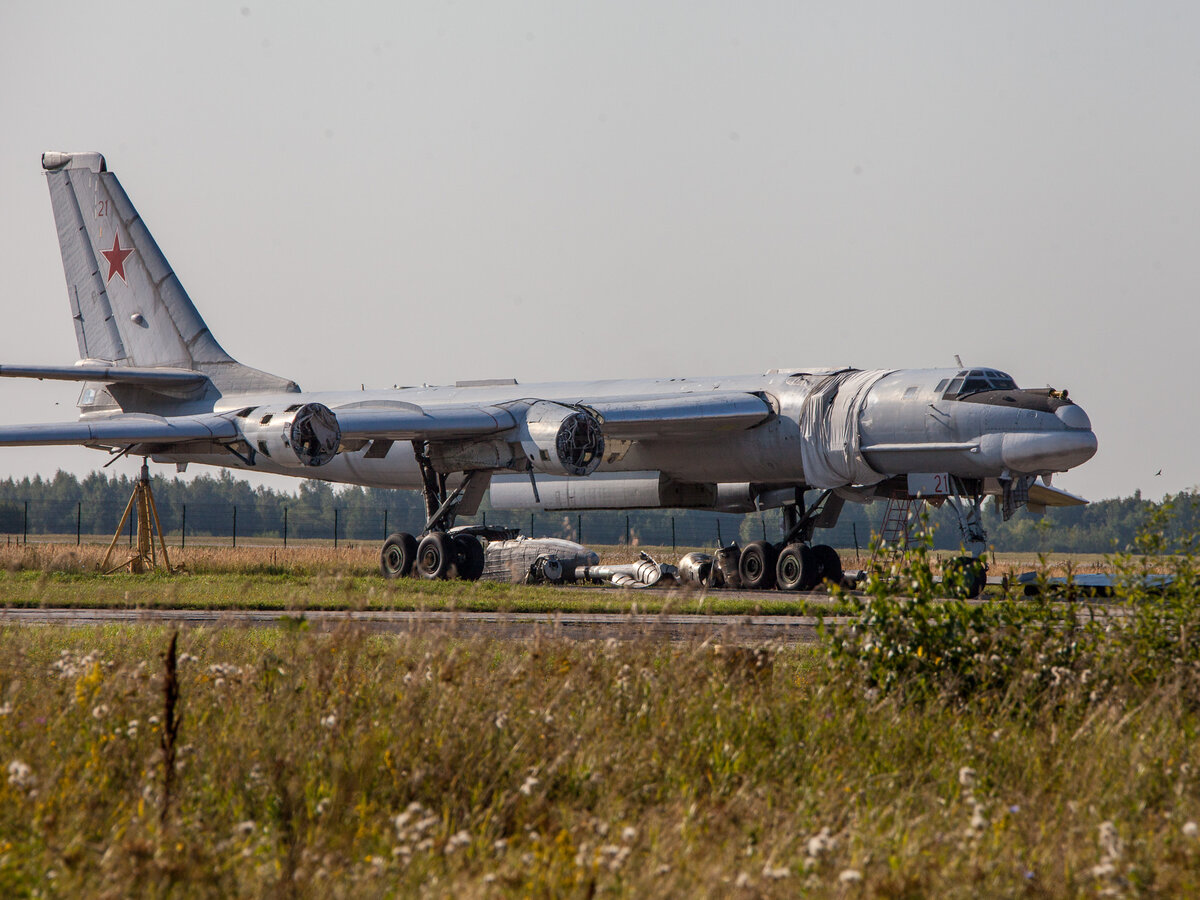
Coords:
505,625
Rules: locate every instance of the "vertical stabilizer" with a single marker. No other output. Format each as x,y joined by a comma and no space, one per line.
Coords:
128,307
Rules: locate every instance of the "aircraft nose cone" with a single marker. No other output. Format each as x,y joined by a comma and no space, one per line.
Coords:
1050,451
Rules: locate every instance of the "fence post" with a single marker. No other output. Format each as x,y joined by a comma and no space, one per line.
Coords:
78,523
762,518
183,528
673,534
131,518
25,525
285,528
720,542
531,524
627,538
579,528
485,518
335,525
385,531
235,526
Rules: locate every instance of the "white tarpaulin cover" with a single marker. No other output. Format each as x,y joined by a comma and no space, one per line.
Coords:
829,450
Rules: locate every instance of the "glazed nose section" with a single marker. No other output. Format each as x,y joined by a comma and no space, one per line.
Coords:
1069,444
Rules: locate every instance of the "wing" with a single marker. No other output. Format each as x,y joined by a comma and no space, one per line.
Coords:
121,431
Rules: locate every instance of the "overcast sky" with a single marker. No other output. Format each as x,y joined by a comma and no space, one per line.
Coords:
380,193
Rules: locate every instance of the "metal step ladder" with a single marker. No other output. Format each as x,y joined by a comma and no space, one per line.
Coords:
897,521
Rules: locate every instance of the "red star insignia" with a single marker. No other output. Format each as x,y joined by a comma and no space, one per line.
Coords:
116,259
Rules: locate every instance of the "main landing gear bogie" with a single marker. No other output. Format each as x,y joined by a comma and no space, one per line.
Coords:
788,567
435,556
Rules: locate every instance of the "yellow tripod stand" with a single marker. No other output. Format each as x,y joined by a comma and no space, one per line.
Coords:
143,558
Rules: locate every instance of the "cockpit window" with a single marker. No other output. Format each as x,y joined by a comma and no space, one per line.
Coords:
974,381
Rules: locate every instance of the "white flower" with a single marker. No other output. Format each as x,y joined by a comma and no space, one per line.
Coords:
131,729
530,783
329,721
775,874
501,720
99,711
458,839
154,720
1190,829
1110,841
629,834
6,709
246,827
820,844
20,775
743,881
966,777
850,876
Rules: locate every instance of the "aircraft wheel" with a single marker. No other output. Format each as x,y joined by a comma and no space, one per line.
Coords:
796,569
829,564
397,556
469,557
757,566
434,556
964,577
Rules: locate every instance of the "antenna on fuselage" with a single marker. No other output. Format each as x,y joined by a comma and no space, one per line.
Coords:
958,360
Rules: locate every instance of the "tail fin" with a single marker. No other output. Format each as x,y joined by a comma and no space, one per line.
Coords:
128,306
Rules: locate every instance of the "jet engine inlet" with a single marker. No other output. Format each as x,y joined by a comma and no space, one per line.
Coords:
562,440
297,436
315,434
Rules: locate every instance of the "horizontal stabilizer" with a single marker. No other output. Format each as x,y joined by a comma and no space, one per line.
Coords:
1044,495
146,376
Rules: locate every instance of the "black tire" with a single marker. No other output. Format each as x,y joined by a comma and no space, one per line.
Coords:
796,569
434,556
757,566
397,556
829,564
964,577
469,557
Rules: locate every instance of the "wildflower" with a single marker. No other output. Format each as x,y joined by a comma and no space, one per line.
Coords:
6,709
321,807
99,711
629,834
20,775
743,881
244,828
1190,829
530,783
329,721
501,720
776,874
850,876
131,729
820,844
458,839
153,720
966,777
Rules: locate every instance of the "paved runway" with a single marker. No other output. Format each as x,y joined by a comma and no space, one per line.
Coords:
513,625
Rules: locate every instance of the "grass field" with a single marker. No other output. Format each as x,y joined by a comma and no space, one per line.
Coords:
931,748
352,765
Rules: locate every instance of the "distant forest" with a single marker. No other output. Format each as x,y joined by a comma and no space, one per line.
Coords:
221,506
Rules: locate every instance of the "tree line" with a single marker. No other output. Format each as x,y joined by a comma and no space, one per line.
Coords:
223,505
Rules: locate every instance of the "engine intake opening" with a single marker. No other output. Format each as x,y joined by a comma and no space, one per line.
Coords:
315,434
580,444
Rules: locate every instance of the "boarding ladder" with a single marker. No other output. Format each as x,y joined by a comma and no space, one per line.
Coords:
897,522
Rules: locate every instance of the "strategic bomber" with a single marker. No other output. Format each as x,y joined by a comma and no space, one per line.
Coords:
156,383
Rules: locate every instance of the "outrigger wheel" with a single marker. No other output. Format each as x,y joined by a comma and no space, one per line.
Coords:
398,554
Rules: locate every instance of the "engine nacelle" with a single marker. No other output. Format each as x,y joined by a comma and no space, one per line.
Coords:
561,440
296,436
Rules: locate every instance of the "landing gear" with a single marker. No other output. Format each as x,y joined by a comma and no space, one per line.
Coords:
438,554
398,554
434,556
966,576
757,566
797,569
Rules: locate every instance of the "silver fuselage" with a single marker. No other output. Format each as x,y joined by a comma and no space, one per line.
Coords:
905,426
